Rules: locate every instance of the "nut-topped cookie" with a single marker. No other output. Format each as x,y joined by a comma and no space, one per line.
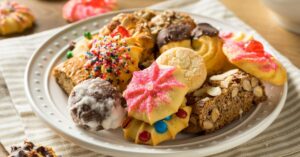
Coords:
167,18
223,99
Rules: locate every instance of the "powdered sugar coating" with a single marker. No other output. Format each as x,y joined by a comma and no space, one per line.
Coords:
95,104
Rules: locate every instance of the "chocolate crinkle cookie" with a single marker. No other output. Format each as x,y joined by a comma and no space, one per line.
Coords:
28,149
95,105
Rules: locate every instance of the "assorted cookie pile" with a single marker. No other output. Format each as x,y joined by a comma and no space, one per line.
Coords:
157,74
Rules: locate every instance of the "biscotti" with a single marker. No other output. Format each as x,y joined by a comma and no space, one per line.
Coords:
223,99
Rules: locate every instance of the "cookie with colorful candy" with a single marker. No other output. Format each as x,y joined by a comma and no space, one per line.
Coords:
152,95
166,129
14,18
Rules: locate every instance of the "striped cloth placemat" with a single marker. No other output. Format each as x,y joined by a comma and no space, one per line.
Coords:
17,121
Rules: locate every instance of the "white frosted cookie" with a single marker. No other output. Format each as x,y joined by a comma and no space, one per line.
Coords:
186,59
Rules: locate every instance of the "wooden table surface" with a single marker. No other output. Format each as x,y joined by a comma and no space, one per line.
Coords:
48,15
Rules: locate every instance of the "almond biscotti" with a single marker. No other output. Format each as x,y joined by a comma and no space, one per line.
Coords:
223,99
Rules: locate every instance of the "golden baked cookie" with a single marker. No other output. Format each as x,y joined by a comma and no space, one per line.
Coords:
208,44
175,35
166,18
187,60
163,130
252,58
135,32
146,14
116,63
155,92
14,18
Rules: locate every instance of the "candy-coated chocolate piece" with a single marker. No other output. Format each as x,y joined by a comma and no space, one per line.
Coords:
144,136
168,118
161,127
181,113
69,54
88,35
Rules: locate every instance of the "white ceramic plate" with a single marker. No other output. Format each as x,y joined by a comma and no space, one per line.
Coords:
49,102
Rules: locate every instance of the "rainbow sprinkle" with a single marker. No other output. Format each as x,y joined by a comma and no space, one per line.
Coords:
108,57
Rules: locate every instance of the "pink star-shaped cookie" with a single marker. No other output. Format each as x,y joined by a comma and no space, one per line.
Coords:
149,88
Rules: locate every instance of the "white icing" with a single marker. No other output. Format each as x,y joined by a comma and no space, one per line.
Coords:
116,117
112,112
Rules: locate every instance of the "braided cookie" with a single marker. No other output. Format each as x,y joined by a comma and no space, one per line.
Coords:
163,130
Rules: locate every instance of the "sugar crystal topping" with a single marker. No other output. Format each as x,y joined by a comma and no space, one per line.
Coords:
149,88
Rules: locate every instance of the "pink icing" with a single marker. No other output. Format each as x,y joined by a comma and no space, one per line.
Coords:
75,10
225,35
148,88
238,52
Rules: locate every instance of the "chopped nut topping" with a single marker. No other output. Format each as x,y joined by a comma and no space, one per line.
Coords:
224,75
234,92
246,85
225,83
215,114
214,91
258,91
254,82
208,124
